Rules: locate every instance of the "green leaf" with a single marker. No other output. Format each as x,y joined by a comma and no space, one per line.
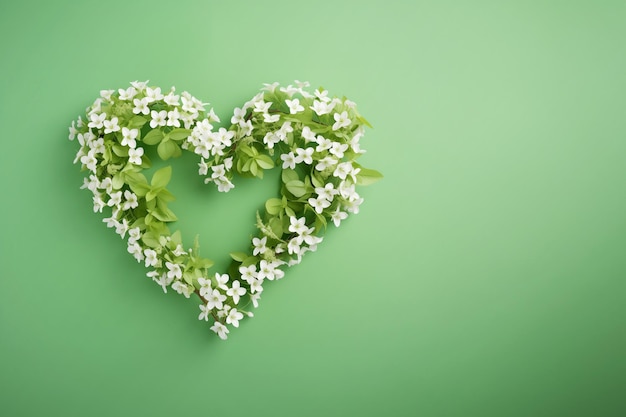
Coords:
368,176
137,182
289,175
162,177
238,256
179,134
153,137
277,227
297,188
177,238
254,168
137,122
168,149
264,161
120,150
274,206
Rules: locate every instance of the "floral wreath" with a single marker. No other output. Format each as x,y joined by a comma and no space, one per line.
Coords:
314,137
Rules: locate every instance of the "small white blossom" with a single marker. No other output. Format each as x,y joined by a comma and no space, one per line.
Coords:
174,270
111,125
294,106
221,330
134,156
259,245
130,200
337,216
141,106
151,257
204,312
289,160
215,300
341,120
235,291
304,155
129,137
159,118
233,317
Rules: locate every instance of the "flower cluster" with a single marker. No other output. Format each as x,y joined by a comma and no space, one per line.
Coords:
314,138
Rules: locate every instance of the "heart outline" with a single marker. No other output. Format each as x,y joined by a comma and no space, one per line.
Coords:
317,152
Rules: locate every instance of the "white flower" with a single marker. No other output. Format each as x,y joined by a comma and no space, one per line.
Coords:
337,216
215,300
246,128
221,330
256,286
322,95
338,149
289,160
141,106
297,225
140,85
238,116
327,192
290,90
179,251
163,280
233,317
267,270
294,246
259,245
174,270
158,118
127,94
224,185
255,299
135,250
341,120
97,146
204,168
151,257
304,155
129,136
115,200
171,98
326,162
294,106
182,288
343,170
308,134
262,106
322,108
173,118
130,200
153,94
111,125
222,280
121,227
98,203
270,87
97,120
323,143
270,139
319,204
235,291
271,118
248,273
73,131
134,234
134,155
204,312
205,286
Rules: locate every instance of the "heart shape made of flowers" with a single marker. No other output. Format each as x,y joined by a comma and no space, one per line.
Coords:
313,137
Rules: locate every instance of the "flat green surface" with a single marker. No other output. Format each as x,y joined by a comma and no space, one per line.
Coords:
484,276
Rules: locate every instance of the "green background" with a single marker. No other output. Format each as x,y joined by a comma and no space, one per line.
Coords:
484,276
